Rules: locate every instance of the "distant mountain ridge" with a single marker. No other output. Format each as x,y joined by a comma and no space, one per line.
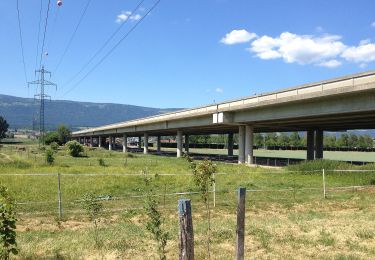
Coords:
21,112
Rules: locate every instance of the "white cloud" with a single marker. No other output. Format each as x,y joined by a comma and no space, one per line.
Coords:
125,15
238,36
363,53
219,90
330,63
373,24
301,49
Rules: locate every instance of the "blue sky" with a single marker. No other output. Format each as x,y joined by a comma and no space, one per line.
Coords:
188,53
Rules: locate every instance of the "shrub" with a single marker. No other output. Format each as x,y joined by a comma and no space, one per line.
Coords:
51,137
75,148
203,179
7,224
54,146
102,162
93,208
154,223
50,158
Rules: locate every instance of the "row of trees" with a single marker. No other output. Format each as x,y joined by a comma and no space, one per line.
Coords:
293,139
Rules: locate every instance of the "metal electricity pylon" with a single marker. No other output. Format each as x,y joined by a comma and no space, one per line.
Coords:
42,96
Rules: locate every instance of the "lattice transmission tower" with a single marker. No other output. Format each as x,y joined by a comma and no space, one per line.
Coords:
42,97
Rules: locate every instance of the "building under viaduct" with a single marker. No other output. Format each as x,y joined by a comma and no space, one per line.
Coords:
332,105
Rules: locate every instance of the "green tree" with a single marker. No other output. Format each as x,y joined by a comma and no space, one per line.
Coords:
365,141
258,139
51,137
3,127
295,139
63,134
343,140
283,140
329,141
353,140
271,139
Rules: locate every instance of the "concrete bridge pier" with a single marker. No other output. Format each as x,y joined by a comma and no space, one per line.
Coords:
91,141
241,143
230,144
100,141
249,144
319,144
110,143
158,144
187,143
310,145
145,145
179,144
125,143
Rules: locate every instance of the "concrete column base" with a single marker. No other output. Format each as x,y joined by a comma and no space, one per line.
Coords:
249,144
241,144
145,145
310,145
230,144
179,144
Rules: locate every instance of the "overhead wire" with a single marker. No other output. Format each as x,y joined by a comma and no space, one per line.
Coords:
104,44
52,33
44,34
73,35
21,41
38,41
113,48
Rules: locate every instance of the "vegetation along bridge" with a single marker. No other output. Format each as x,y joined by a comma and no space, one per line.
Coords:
332,105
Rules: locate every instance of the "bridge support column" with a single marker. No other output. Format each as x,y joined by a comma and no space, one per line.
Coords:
100,142
241,144
158,144
140,142
110,143
179,143
310,145
91,141
145,145
230,144
319,144
187,143
249,144
125,143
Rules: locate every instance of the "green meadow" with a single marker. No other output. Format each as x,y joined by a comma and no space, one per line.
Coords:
286,214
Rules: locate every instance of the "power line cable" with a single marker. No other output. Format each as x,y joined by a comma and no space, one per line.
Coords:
21,41
52,33
44,34
113,48
104,45
40,22
73,35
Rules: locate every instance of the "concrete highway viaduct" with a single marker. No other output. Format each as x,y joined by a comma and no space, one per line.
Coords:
331,105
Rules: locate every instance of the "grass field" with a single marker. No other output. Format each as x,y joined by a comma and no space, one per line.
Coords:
286,215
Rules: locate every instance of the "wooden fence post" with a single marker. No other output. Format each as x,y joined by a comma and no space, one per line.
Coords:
59,195
214,189
186,233
240,224
324,185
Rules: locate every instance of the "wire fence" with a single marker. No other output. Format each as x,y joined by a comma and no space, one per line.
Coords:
61,193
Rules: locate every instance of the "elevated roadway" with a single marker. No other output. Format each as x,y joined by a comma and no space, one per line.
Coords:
331,105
